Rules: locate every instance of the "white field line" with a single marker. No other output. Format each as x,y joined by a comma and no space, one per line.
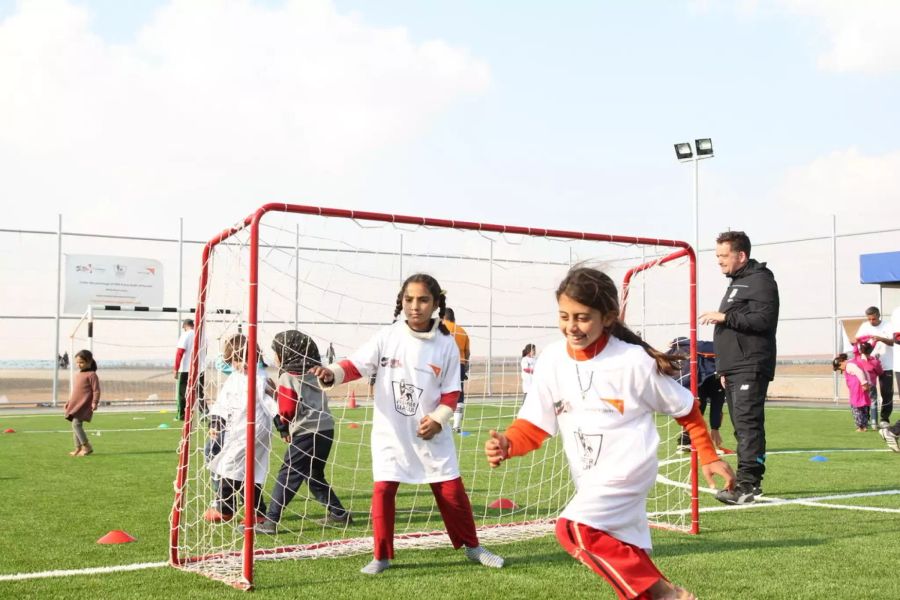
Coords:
764,502
88,571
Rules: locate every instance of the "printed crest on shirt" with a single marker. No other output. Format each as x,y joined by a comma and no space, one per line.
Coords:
589,446
406,397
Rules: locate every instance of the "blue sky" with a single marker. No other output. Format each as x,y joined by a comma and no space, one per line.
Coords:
125,116
576,119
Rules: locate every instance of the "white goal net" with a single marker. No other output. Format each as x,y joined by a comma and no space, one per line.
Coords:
335,275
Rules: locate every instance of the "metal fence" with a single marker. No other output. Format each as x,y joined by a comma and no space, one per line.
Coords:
818,279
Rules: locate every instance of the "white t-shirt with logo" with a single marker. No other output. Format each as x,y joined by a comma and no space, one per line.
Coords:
413,370
527,363
884,352
604,409
231,405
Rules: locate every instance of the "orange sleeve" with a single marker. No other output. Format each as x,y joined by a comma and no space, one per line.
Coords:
696,427
524,436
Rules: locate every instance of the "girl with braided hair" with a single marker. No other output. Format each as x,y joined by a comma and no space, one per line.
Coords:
416,365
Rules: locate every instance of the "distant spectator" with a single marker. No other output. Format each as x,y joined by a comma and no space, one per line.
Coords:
880,334
184,351
83,401
462,342
529,353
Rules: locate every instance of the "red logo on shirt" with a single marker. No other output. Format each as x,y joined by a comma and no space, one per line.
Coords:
436,369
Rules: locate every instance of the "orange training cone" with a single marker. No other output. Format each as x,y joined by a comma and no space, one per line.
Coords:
9,430
503,503
116,536
353,426
351,402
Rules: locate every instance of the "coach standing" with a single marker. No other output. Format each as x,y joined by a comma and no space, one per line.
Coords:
745,356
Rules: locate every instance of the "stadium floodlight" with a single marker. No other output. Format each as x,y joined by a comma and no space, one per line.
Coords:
684,151
704,147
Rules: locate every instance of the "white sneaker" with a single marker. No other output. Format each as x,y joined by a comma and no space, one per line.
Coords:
484,556
883,425
891,439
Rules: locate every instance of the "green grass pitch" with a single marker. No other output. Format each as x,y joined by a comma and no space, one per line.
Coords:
54,508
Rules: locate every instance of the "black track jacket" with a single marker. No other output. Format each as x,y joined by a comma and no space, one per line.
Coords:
745,341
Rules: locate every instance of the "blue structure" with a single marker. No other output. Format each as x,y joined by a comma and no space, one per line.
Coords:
881,268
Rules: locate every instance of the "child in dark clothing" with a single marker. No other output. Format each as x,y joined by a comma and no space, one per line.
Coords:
304,421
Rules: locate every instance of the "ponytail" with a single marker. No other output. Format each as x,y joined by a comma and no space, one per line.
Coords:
667,364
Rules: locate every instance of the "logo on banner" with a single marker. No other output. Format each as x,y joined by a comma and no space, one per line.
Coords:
589,448
406,397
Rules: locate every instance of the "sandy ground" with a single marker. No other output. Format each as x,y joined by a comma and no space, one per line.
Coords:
33,387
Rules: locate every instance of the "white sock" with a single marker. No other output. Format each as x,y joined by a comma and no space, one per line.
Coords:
457,417
375,567
484,556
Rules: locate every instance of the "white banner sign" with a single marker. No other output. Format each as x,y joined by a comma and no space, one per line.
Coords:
119,280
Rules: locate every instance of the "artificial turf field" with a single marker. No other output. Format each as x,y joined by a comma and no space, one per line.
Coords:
837,539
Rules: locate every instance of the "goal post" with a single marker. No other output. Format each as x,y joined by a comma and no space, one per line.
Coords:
334,274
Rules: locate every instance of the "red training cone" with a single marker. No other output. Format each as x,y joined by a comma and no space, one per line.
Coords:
116,536
351,402
9,430
353,426
504,503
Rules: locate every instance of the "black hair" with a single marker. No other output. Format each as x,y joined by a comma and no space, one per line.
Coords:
596,289
738,241
527,349
88,357
838,361
434,288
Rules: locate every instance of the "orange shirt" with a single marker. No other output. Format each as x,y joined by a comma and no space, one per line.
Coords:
462,340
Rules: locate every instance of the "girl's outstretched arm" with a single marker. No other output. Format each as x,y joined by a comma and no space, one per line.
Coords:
519,438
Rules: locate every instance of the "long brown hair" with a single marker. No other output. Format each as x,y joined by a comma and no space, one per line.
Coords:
434,288
596,289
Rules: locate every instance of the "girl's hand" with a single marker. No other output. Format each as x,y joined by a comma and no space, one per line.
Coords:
326,375
723,470
496,448
428,428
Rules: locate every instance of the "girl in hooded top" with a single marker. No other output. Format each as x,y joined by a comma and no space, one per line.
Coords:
416,366
305,423
599,389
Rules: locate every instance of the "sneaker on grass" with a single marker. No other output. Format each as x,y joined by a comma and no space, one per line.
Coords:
740,494
482,555
339,520
268,527
891,439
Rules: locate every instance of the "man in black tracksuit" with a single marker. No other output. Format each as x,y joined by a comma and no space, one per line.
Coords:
745,356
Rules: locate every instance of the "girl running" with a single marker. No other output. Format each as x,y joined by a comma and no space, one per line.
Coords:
599,389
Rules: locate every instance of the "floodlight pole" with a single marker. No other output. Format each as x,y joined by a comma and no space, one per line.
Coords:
697,219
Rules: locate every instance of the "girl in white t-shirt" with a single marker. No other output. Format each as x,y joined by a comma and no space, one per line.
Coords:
228,426
599,389
528,359
415,363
